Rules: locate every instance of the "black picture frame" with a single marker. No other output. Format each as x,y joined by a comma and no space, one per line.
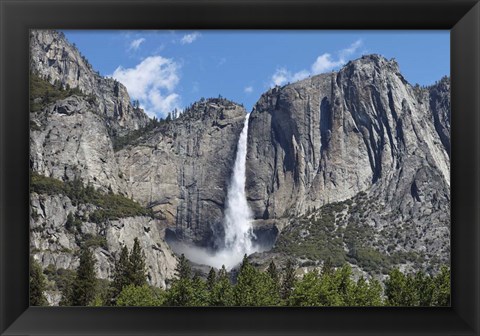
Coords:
18,16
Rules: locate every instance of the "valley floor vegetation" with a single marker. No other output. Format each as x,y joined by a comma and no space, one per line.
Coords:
250,287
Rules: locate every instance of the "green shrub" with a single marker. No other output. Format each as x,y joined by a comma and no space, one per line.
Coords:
110,206
42,93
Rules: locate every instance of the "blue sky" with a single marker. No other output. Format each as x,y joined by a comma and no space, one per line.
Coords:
172,69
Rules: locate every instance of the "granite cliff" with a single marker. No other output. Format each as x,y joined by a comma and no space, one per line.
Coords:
350,165
363,129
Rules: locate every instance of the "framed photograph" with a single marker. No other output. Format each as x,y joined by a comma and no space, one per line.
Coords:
239,168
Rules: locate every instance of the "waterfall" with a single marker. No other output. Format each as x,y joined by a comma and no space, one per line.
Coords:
237,219
238,216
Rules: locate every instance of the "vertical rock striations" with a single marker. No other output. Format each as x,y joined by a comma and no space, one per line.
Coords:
183,169
363,129
328,137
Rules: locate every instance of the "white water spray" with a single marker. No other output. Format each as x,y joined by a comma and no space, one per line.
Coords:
237,220
238,216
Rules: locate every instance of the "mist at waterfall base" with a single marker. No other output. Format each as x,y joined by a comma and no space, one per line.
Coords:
239,235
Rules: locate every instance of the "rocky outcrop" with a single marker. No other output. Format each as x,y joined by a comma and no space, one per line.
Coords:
53,242
439,98
328,137
71,141
53,58
183,169
364,129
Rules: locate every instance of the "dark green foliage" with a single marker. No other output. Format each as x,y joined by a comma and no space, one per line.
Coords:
255,288
121,277
69,224
94,241
67,294
211,279
84,285
442,292
273,273
37,285
183,270
314,238
61,278
335,288
367,294
141,296
102,293
222,292
288,281
330,287
115,206
327,267
182,291
129,270
111,206
42,93
322,234
137,271
120,142
418,289
200,293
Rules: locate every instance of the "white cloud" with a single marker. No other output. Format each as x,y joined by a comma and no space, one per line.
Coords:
190,38
248,89
152,82
347,52
300,75
323,63
280,77
135,44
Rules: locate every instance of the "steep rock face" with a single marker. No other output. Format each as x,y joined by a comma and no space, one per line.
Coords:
183,169
52,57
71,140
53,243
439,97
328,137
363,130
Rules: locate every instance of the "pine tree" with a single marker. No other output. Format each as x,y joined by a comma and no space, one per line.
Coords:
442,286
181,291
395,288
83,291
245,288
288,280
254,288
211,279
37,285
222,293
137,271
121,277
366,294
273,273
67,295
140,296
425,289
307,291
200,294
344,285
183,270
